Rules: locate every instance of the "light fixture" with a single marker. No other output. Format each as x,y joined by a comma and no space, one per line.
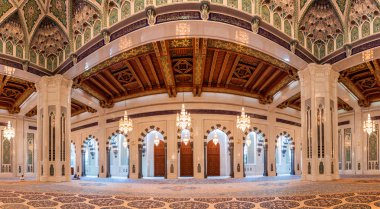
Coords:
184,118
125,124
156,139
248,141
186,139
367,55
215,138
243,121
9,71
369,125
9,132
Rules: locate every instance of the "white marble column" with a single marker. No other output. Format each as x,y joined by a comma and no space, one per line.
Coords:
53,124
319,122
271,154
359,140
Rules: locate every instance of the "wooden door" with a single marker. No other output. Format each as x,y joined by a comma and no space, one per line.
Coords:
213,159
159,159
186,160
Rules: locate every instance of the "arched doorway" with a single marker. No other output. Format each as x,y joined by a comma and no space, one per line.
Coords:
119,156
218,160
72,158
284,155
186,154
91,157
154,155
253,154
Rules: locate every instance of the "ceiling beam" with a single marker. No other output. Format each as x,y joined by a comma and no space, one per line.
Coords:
16,105
285,81
269,80
85,98
106,82
236,62
262,77
142,70
85,87
363,100
224,66
151,66
199,60
254,74
109,75
4,80
375,71
134,74
213,63
165,63
101,86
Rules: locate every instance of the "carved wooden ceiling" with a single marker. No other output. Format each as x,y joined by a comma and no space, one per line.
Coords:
13,92
77,108
295,103
194,65
363,81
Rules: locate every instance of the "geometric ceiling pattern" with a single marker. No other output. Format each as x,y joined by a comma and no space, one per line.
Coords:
76,108
47,32
193,65
363,81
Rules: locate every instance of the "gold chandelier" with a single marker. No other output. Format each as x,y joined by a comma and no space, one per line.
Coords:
125,124
215,138
9,132
183,119
243,121
369,125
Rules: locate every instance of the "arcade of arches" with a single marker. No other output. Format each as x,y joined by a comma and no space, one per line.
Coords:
306,72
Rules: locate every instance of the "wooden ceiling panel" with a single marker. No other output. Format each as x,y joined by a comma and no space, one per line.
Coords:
170,65
13,92
363,81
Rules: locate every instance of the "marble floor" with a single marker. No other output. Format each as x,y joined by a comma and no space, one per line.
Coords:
257,192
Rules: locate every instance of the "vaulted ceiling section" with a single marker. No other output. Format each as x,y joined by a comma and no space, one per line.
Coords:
46,33
193,65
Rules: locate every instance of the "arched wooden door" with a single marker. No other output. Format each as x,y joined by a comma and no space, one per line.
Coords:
186,160
159,159
213,159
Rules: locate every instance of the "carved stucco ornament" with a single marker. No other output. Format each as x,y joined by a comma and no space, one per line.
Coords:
106,36
74,58
293,45
151,15
255,23
348,49
205,10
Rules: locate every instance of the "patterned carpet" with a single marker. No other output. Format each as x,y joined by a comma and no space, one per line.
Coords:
21,200
267,192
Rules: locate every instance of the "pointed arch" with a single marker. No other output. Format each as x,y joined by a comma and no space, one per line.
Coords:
48,18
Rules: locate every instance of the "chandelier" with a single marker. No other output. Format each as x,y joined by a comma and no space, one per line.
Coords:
9,71
156,140
248,141
367,55
369,125
125,124
243,121
215,138
186,139
9,132
183,119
